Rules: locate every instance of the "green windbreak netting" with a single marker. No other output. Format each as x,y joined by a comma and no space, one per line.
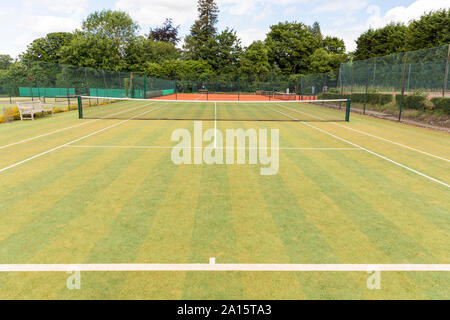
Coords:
402,82
385,85
46,92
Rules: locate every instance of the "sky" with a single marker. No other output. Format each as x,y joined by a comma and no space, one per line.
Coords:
22,21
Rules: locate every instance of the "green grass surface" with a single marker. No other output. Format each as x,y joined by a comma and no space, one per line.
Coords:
119,205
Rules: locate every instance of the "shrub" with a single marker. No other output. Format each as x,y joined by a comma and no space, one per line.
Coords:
11,114
333,90
414,101
441,104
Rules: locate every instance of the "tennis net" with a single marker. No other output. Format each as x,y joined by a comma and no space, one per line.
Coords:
143,109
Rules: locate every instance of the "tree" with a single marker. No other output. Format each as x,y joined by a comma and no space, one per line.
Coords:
334,45
141,50
431,30
95,51
181,69
380,42
290,46
5,61
102,42
197,44
166,33
255,59
323,61
315,29
47,48
109,24
227,50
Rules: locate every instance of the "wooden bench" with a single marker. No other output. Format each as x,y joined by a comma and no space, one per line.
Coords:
31,108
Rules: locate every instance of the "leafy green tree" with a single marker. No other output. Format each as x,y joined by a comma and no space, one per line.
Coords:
181,69
102,42
324,61
255,59
110,24
198,44
380,42
90,50
316,31
290,46
227,50
5,61
431,30
47,48
333,45
141,50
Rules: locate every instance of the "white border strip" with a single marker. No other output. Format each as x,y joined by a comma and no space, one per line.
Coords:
223,148
212,266
367,150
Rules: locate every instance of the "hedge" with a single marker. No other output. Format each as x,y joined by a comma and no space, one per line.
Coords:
442,104
411,101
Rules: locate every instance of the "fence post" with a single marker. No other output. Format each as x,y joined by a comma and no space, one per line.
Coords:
444,88
367,91
405,58
9,89
239,87
409,77
351,85
145,85
374,71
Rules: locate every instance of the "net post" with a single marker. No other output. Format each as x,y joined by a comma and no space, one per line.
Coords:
347,111
80,108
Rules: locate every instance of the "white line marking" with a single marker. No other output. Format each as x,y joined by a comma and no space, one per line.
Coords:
370,135
367,150
393,142
45,134
223,267
215,125
60,130
235,148
76,140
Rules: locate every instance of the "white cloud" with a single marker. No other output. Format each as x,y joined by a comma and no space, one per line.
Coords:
403,14
342,5
64,7
150,13
350,32
249,35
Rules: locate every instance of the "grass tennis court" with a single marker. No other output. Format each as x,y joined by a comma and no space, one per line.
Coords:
105,191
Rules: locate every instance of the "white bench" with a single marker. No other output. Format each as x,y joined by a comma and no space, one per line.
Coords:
32,107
